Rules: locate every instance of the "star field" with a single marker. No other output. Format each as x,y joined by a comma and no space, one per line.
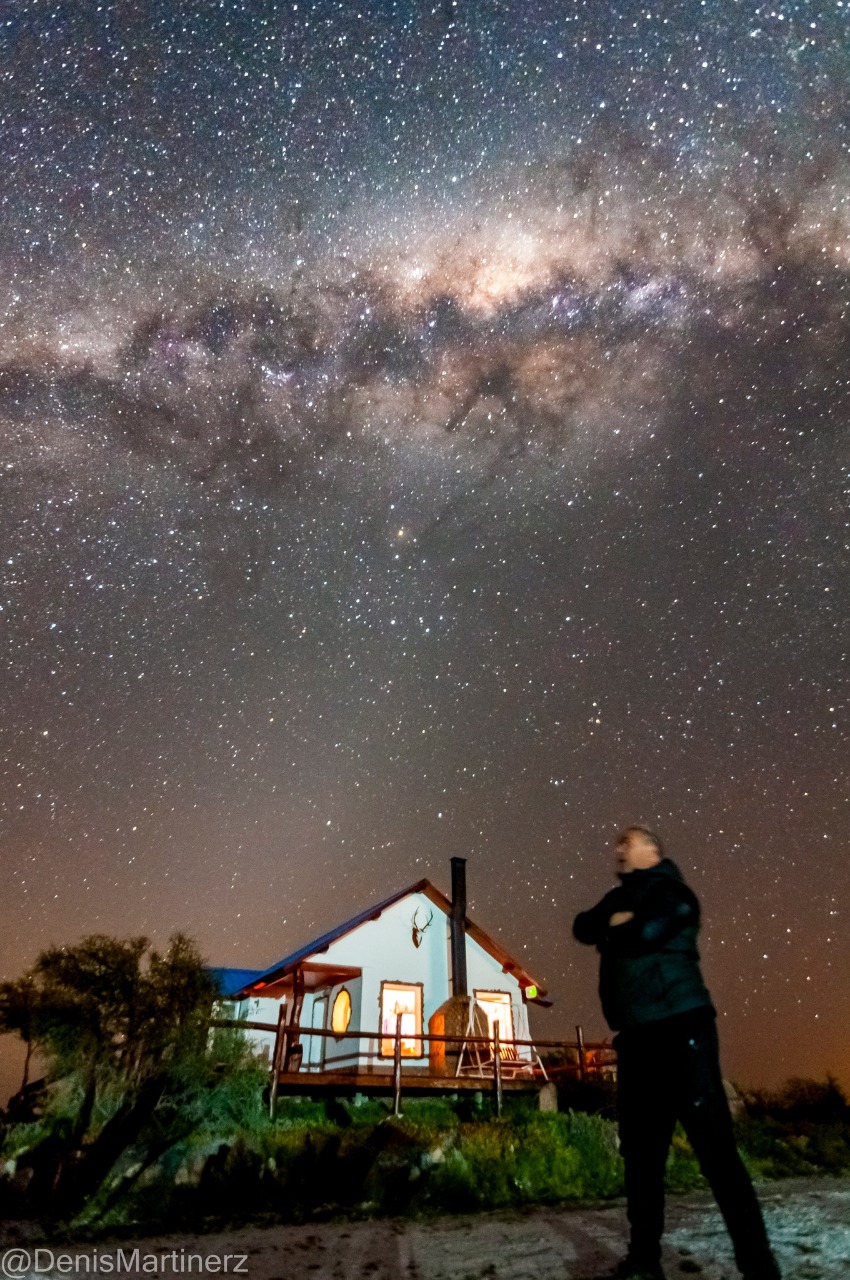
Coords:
425,432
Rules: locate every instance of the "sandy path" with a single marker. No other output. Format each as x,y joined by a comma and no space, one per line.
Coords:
809,1221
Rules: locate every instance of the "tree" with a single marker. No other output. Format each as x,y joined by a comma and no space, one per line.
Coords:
131,1027
19,1006
117,1011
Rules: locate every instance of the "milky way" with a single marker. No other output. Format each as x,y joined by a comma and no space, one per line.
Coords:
424,431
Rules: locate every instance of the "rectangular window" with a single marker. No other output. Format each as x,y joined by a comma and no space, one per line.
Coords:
497,1006
405,999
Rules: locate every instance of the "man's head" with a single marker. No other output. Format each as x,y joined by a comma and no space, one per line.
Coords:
637,849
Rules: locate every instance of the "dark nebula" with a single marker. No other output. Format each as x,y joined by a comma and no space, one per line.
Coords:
425,432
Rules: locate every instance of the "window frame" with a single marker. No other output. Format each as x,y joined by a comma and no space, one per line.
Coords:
418,988
343,991
486,991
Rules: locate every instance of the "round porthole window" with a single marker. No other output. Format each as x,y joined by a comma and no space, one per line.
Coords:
341,1012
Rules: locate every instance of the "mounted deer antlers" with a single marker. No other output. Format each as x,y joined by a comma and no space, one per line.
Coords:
418,930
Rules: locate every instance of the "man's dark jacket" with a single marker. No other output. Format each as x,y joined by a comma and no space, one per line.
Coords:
649,968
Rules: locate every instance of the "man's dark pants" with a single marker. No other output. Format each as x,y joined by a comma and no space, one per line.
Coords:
669,1071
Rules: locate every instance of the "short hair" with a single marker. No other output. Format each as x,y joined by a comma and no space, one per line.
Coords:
648,835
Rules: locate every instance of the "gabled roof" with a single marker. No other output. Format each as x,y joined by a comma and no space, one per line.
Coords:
288,963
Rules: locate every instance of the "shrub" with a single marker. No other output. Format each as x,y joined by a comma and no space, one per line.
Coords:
221,1159
803,1127
682,1172
801,1100
595,1096
306,1165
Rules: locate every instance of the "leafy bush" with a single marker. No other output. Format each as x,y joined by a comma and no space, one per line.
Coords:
801,1128
305,1165
682,1172
595,1096
801,1100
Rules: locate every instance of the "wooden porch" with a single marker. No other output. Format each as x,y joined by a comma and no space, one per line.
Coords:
467,1064
379,1084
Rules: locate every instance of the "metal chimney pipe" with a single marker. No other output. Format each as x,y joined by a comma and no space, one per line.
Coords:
458,927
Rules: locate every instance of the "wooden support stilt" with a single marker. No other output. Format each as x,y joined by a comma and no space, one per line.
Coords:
277,1059
497,1069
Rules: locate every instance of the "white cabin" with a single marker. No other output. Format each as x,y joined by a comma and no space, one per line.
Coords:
394,958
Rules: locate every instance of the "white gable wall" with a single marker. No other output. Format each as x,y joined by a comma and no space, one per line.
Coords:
384,951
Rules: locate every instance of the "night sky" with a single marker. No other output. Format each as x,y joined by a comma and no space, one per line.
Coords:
425,432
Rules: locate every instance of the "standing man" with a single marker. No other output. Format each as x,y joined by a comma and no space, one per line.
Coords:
668,1067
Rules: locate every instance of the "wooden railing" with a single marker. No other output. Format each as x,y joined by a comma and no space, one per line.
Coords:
590,1058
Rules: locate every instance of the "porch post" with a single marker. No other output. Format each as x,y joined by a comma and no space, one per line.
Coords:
277,1055
295,1018
397,1067
582,1057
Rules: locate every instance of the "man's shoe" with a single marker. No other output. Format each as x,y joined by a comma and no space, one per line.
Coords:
767,1268
634,1268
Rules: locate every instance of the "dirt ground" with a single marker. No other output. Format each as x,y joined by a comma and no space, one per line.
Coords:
809,1222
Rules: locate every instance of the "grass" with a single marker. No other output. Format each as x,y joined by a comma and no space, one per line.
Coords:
319,1159
427,1160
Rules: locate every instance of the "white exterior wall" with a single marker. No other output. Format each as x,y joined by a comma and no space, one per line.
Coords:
344,1053
258,1009
383,950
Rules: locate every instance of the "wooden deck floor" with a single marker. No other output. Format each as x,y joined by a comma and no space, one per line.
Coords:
379,1083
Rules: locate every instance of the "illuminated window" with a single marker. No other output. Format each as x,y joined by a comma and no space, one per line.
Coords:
341,1013
497,1006
401,998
